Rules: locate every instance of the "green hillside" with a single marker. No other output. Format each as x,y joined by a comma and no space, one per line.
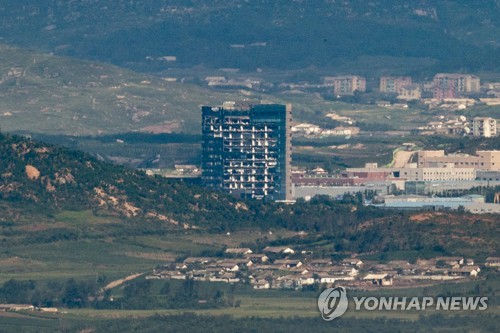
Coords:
49,94
42,93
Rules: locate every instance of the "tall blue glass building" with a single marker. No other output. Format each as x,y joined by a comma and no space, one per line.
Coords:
246,149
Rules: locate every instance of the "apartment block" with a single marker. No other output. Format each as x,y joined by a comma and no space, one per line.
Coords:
410,92
347,85
454,85
485,127
246,149
393,84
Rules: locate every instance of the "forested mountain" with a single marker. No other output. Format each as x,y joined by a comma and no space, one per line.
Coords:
458,35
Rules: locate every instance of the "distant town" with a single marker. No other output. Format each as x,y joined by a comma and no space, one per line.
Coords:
246,147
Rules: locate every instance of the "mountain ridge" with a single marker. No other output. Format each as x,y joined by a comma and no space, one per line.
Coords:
461,35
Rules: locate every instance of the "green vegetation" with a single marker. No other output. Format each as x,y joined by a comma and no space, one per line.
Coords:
416,37
174,303
61,244
50,94
193,323
63,180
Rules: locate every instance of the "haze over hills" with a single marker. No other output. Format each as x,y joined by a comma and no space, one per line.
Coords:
42,93
50,94
457,35
62,95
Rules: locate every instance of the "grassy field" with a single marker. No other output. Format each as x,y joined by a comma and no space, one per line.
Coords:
108,247
81,244
260,304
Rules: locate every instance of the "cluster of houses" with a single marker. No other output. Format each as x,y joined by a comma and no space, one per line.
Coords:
282,268
447,125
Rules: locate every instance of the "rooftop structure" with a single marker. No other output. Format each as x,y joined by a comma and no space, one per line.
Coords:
483,160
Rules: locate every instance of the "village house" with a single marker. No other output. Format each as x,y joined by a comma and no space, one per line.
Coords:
325,278
168,275
451,261
402,267
343,270
200,275
198,260
306,128
229,266
307,279
286,282
50,310
238,251
426,262
180,266
257,257
264,268
352,262
261,284
16,307
278,250
287,263
492,262
320,262
382,279
228,277
471,271
469,262
215,270
239,262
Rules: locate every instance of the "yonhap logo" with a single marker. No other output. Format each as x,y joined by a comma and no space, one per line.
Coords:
332,303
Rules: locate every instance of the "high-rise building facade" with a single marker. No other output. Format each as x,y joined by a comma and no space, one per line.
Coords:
246,149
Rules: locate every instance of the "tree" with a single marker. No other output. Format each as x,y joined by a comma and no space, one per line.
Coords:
165,289
73,296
